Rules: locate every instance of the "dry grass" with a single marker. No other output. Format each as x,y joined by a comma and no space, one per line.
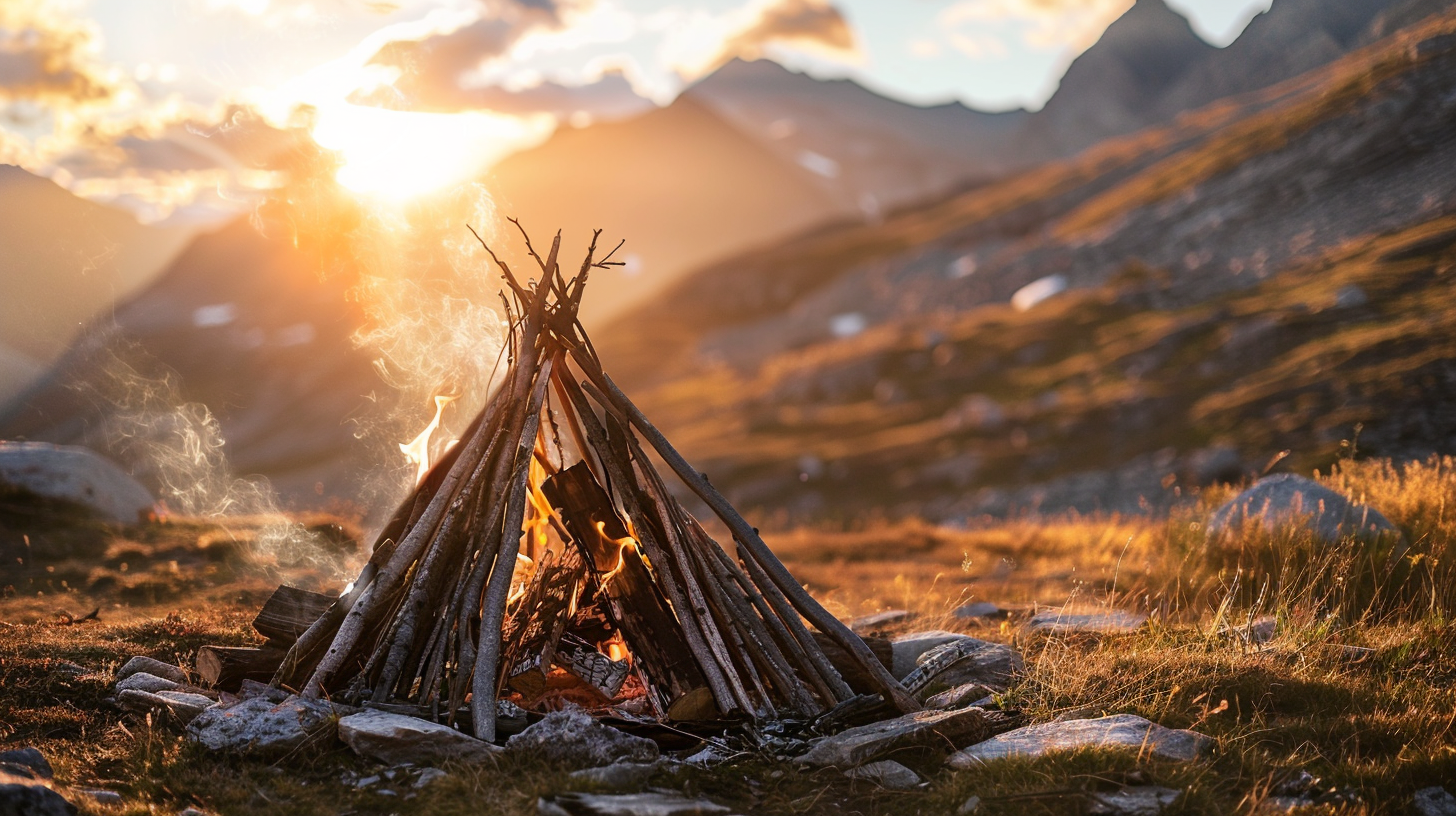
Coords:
1378,724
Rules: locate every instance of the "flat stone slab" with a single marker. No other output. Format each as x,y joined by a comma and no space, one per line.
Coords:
153,667
619,776
1111,622
631,804
1148,800
924,730
396,739
887,773
262,727
180,704
980,610
145,681
1126,731
880,620
574,739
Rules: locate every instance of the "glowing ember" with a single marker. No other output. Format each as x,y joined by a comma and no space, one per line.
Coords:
417,450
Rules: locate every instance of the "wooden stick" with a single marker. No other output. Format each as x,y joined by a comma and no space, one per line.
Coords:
885,682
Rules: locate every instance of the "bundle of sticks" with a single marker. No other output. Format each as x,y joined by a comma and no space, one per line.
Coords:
547,504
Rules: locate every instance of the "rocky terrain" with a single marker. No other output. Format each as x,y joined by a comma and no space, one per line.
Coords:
1264,278
1057,678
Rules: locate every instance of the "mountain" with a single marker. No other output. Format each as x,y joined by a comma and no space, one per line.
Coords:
62,261
1265,274
242,323
1149,65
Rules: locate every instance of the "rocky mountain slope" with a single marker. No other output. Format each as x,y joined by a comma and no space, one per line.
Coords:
1263,276
63,260
1207,205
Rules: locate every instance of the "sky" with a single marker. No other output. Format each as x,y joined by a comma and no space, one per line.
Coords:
118,99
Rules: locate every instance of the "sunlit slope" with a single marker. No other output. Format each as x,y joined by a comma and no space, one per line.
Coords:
1265,275
241,323
682,185
62,261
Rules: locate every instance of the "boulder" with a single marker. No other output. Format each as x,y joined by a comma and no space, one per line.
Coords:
573,739
907,649
632,804
1110,622
261,727
937,731
151,666
20,799
75,475
1118,731
886,773
963,661
1287,500
1145,800
395,739
145,681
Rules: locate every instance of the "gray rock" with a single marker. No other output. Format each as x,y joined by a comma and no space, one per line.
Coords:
1147,800
145,681
1118,731
1434,802
959,697
19,799
619,776
1287,500
428,776
907,649
886,773
26,762
1256,633
249,689
261,727
396,739
969,806
151,666
979,610
573,739
76,475
182,705
1111,622
880,620
930,730
962,661
632,804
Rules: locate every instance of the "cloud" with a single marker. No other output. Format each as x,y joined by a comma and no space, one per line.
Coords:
810,24
439,60
50,59
1050,25
612,96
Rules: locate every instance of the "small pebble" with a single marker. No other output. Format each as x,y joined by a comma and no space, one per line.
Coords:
970,806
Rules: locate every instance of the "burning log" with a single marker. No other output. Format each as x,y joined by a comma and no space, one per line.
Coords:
475,586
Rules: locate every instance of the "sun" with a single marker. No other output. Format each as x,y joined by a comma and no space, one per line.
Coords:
400,155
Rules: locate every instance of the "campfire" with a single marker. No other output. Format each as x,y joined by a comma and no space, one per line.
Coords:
544,560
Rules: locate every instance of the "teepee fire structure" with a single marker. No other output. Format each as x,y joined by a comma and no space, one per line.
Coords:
547,542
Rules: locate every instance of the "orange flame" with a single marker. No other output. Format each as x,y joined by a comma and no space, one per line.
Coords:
622,546
417,450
